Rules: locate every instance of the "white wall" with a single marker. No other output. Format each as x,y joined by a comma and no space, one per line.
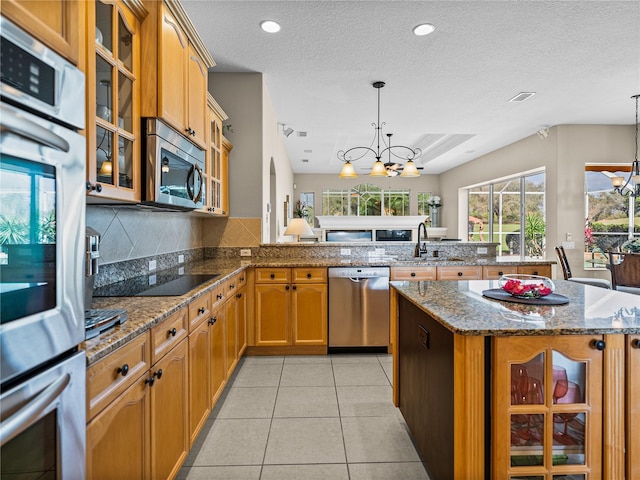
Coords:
564,154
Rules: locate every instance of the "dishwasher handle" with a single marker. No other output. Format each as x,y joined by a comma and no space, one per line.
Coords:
357,279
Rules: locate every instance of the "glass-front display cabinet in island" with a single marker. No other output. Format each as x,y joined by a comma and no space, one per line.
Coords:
547,408
113,106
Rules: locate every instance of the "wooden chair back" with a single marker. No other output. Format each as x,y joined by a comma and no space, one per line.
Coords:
625,269
564,263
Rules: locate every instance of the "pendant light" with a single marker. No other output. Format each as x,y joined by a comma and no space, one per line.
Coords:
379,169
619,184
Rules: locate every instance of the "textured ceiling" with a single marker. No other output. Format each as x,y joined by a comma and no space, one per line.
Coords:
446,92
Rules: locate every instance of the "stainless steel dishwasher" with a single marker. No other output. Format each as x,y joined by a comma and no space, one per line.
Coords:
358,309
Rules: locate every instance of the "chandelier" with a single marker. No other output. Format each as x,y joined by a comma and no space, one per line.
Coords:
380,169
619,184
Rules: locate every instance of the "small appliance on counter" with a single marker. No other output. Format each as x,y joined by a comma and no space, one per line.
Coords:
96,321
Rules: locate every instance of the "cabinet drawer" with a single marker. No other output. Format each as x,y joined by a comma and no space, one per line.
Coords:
544,270
217,296
309,275
242,279
496,271
231,286
459,273
273,275
199,310
168,334
113,374
413,273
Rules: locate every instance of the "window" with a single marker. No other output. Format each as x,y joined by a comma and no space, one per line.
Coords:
365,200
423,206
500,211
611,218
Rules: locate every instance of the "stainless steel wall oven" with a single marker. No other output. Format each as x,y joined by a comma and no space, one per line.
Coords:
42,210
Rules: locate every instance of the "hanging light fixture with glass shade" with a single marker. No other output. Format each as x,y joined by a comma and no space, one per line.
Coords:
380,169
626,187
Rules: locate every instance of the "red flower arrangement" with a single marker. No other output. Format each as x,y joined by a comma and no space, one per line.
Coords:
526,286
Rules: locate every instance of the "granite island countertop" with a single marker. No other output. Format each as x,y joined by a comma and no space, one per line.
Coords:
145,312
462,309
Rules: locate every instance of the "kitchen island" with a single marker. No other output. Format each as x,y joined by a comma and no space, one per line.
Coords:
478,381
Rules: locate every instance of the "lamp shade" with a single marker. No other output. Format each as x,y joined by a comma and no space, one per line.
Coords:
410,170
348,171
298,226
378,170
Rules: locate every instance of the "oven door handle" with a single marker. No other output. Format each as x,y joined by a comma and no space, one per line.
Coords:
15,123
24,418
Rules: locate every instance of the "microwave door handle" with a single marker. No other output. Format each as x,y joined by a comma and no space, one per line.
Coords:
189,181
17,124
24,418
198,195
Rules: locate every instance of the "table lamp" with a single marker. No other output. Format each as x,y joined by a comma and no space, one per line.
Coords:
298,226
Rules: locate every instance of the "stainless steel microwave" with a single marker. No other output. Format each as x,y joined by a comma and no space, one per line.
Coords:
173,168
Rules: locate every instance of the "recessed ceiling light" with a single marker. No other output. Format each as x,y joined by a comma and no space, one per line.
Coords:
270,26
423,29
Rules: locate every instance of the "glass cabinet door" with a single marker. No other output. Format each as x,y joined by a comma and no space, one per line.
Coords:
547,403
114,156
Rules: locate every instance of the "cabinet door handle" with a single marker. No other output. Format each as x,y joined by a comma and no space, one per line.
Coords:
213,320
239,295
295,287
123,370
172,332
598,344
151,380
635,343
287,287
219,296
201,310
413,274
159,374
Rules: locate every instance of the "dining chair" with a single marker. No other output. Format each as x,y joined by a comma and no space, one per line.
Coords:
566,270
625,271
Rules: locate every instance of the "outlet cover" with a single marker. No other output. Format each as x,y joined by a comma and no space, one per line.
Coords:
152,265
181,271
569,245
180,258
345,251
482,250
152,279
245,252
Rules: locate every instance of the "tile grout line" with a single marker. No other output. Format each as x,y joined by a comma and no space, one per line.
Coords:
273,411
344,443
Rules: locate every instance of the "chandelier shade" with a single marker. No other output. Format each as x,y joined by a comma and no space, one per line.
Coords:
379,168
630,186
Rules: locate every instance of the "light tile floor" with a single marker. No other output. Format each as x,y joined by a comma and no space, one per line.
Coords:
306,418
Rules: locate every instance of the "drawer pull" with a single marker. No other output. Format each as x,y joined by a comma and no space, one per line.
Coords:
598,344
172,332
459,274
151,380
413,274
273,275
123,370
201,310
232,286
535,272
219,296
500,273
308,275
213,320
238,295
635,343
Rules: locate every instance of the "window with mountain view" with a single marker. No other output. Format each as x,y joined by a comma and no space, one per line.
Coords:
611,218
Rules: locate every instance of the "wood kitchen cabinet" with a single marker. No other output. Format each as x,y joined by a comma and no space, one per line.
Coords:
413,273
56,23
547,406
459,273
632,345
177,89
291,306
494,272
544,270
113,100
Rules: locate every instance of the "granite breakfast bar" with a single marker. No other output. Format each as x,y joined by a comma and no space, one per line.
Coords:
457,357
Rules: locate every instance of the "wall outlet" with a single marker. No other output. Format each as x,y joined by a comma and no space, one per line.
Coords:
245,252
482,250
345,251
152,280
152,265
180,258
569,245
181,271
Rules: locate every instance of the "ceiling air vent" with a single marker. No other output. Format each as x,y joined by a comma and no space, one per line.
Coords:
522,96
302,134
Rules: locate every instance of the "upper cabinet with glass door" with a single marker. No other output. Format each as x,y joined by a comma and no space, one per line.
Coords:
56,23
176,90
113,101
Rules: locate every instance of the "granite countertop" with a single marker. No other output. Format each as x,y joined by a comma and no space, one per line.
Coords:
145,312
461,308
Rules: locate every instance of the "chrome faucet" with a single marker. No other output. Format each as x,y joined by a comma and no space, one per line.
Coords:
421,249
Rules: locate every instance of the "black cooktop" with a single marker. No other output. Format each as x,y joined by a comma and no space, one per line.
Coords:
161,284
